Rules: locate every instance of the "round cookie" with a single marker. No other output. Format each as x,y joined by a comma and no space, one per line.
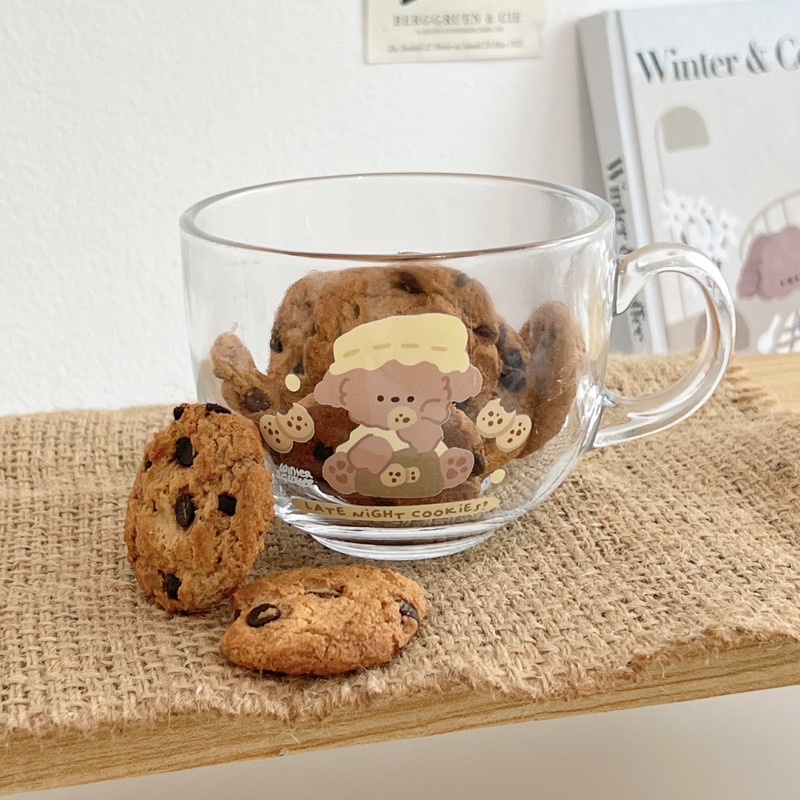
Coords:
555,340
200,508
323,621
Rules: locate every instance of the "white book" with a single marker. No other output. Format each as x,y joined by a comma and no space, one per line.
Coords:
697,117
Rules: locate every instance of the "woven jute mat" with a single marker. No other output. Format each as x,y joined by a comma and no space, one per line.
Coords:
686,540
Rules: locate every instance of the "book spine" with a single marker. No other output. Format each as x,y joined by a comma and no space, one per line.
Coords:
607,83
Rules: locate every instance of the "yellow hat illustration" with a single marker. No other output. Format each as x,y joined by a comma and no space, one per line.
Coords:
440,339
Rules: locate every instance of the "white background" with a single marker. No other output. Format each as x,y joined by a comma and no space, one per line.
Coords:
116,115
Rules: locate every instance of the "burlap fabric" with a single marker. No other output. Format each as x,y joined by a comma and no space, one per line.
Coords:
687,540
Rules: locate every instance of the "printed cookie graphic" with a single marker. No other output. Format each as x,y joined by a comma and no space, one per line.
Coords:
459,432
274,435
515,435
297,423
282,431
396,378
323,621
200,508
508,429
494,419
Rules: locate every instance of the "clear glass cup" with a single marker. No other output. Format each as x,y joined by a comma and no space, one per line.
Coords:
425,354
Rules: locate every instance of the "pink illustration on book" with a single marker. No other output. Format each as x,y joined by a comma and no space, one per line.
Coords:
771,271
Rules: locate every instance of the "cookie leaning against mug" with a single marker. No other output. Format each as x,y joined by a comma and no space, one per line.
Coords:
200,508
323,621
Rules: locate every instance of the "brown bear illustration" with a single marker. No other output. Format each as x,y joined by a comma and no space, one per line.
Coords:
396,378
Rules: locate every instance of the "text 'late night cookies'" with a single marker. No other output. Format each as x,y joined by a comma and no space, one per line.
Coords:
323,621
200,508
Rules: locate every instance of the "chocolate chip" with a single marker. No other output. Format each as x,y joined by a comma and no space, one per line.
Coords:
546,339
513,380
501,336
148,464
177,412
256,400
462,279
275,343
262,615
184,510
322,452
485,332
171,585
356,310
236,614
479,465
512,358
214,408
325,593
226,503
408,283
184,452
407,610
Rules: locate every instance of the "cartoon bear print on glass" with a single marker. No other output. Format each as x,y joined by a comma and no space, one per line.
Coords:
397,378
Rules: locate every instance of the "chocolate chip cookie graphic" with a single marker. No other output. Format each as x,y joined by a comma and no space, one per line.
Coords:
200,508
323,621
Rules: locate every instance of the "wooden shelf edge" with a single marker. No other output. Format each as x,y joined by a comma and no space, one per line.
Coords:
198,740
780,374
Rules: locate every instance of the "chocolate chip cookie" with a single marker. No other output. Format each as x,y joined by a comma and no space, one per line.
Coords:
200,508
555,341
244,387
323,621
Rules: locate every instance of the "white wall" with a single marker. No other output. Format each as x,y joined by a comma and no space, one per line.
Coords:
116,115
119,114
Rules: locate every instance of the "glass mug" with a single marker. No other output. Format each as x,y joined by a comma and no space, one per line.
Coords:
424,354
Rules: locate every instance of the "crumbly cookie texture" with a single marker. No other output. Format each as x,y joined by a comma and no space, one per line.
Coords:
323,621
200,508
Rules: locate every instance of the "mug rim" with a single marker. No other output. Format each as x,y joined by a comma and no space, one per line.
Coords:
605,215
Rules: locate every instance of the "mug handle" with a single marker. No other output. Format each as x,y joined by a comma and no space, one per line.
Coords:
659,411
